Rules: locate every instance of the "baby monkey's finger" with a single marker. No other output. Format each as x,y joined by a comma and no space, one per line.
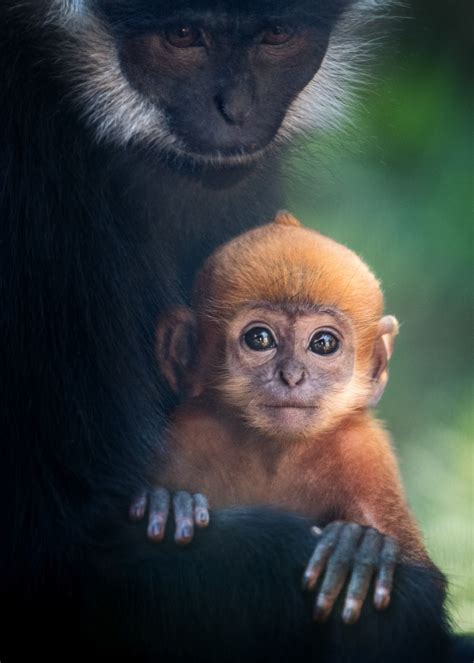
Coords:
138,507
201,510
324,547
387,563
337,570
158,514
365,563
184,517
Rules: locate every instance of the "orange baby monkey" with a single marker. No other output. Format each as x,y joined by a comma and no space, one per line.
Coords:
277,362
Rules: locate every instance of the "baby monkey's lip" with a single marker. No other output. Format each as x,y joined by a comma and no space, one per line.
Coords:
293,406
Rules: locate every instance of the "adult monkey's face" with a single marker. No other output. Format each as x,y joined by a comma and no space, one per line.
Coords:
215,80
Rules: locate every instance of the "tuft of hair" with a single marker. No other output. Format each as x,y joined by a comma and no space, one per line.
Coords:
284,218
110,105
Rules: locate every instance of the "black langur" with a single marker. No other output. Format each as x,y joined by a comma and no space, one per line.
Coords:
135,136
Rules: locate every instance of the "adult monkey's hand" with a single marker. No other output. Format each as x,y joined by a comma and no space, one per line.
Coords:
350,551
189,511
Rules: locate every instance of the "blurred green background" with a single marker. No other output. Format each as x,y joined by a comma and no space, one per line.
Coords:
397,188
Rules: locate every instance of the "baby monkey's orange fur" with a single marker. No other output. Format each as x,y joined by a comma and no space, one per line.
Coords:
287,425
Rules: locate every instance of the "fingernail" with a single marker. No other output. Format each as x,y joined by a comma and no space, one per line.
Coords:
308,580
155,529
186,532
348,616
321,611
350,613
382,599
202,516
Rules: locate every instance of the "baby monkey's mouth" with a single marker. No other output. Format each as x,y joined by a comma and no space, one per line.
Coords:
290,406
288,415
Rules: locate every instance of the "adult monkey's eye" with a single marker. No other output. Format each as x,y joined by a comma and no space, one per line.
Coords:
259,338
324,343
183,36
277,34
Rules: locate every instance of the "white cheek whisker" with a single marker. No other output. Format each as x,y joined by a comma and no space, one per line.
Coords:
109,104
324,103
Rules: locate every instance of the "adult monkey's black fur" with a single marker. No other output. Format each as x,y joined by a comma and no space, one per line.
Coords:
103,220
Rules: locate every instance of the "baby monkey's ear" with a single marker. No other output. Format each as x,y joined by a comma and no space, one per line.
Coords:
383,350
175,346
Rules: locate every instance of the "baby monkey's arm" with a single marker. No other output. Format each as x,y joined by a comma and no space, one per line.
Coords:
377,529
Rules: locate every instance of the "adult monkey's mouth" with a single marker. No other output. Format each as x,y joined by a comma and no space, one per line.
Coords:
230,158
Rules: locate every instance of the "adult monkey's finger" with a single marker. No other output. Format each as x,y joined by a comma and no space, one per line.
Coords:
324,547
366,561
158,514
201,510
184,517
384,582
138,507
337,570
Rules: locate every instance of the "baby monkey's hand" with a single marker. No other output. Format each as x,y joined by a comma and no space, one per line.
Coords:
189,511
346,550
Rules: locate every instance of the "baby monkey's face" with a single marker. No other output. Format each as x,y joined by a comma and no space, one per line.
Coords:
289,367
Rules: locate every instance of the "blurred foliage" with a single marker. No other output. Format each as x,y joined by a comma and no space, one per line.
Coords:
401,196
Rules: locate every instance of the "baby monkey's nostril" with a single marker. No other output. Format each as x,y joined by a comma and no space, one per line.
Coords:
293,376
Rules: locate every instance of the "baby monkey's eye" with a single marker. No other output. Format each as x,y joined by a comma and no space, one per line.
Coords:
324,343
259,338
183,36
277,34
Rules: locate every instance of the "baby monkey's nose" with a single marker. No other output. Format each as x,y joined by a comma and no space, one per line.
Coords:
292,374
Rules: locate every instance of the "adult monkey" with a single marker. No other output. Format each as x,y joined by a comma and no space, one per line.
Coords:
130,143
